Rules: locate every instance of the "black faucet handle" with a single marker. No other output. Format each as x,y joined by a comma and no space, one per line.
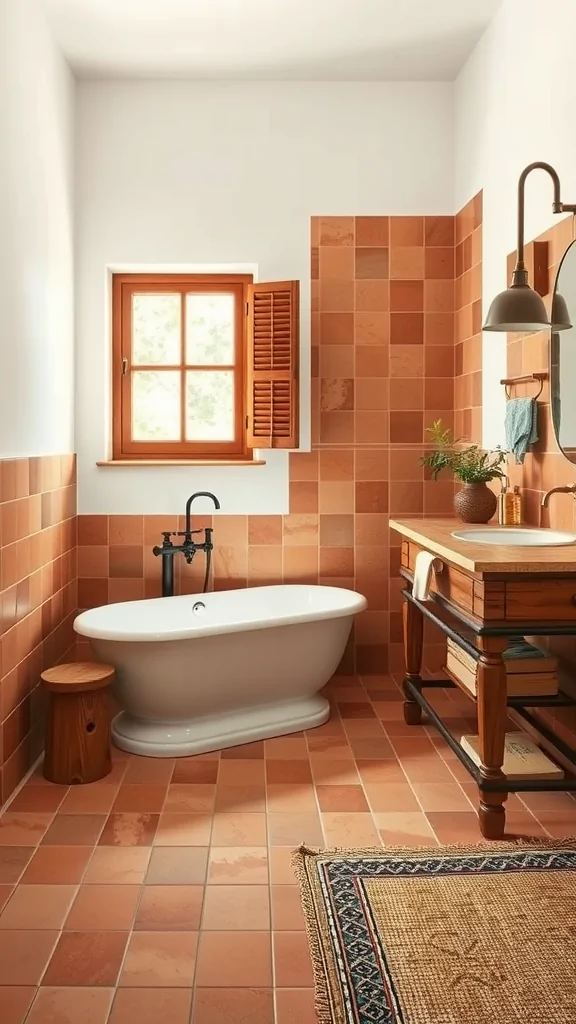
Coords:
167,534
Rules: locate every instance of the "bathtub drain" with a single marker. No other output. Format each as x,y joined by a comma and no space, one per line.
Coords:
198,607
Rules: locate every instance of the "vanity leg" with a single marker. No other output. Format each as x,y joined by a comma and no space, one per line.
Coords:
413,622
492,715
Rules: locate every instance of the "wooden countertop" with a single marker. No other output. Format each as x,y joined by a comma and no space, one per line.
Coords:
436,535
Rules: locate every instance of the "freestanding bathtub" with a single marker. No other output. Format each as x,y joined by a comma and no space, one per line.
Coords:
201,672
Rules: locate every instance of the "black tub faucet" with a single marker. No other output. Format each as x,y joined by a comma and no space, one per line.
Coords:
197,494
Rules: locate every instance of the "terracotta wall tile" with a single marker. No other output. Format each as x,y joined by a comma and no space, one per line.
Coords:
37,598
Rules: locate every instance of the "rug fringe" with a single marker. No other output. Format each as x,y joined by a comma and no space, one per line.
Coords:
322,1002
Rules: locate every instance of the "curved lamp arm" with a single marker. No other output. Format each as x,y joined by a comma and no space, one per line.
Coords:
557,207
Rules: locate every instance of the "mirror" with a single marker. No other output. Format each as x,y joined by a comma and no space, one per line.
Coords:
563,359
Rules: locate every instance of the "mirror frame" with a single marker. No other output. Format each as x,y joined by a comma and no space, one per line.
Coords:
555,367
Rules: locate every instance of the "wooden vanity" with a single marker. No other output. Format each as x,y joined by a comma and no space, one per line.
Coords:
498,593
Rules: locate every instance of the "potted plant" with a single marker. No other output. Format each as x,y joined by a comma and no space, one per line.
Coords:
475,503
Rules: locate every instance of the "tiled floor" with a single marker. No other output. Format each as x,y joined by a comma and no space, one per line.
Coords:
165,891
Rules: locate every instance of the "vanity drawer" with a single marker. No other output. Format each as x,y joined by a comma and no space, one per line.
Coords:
452,584
541,600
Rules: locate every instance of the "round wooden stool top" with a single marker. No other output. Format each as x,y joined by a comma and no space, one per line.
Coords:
77,677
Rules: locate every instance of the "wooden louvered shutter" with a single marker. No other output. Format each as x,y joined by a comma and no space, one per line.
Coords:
272,365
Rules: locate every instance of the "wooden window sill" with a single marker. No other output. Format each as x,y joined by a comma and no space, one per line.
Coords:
180,462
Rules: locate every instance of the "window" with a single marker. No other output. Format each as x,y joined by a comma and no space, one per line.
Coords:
204,367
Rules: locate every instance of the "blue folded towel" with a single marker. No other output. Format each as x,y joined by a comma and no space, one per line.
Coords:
521,426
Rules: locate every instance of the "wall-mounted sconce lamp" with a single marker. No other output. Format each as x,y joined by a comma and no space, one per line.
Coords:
520,308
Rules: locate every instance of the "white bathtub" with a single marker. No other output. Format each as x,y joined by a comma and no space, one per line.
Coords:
202,672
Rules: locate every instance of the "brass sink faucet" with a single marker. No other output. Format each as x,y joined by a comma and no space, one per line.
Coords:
564,489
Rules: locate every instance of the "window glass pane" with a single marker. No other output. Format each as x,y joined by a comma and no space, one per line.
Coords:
156,405
156,329
210,405
210,329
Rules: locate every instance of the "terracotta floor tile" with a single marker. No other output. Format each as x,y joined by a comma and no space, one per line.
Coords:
292,965
236,908
241,798
412,748
349,830
129,829
244,752
392,796
183,829
556,824
239,829
291,796
160,960
286,748
389,711
335,748
178,865
341,798
363,728
24,955
380,772
234,960
238,865
288,771
118,865
429,769
296,828
91,799
559,802
86,959
241,773
333,727
195,771
5,894
38,798
281,870
24,828
103,908
233,1006
355,709
520,825
169,908
195,798
149,770
440,796
287,913
335,773
147,799
455,826
295,1006
151,1006
71,1005
74,830
372,748
38,906
57,865
15,1002
410,828
13,860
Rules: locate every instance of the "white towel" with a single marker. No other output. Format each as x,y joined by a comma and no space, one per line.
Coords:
426,564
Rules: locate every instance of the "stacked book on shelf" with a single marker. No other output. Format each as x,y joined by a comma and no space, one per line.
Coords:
529,672
522,758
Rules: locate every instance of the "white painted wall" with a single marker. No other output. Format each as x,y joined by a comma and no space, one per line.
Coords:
36,237
185,173
514,103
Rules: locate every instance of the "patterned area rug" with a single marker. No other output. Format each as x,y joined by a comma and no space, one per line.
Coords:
459,935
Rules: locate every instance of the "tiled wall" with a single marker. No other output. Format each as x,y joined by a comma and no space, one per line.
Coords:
37,599
545,466
383,370
468,322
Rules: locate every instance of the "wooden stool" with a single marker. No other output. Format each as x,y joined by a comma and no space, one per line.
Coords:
78,723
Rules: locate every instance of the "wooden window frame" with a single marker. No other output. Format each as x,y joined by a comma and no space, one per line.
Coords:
124,286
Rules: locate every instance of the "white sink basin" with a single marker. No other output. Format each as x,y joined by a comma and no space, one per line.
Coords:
517,536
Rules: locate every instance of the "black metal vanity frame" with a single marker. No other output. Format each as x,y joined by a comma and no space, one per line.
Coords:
414,685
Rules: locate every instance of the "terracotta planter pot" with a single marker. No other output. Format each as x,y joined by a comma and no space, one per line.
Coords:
475,503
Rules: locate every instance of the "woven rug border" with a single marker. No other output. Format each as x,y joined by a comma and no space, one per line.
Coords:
304,860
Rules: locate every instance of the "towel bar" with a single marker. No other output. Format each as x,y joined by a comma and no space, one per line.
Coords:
540,376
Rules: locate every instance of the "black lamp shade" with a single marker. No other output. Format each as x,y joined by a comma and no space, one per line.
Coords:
518,309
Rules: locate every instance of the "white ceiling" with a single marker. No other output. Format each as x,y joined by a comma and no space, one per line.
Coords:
346,40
